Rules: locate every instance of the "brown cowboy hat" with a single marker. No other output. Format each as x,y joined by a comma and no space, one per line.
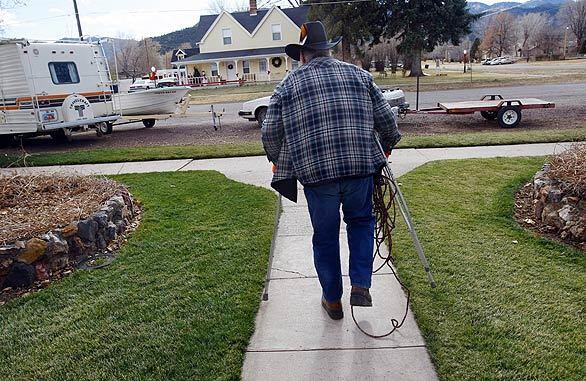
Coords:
313,36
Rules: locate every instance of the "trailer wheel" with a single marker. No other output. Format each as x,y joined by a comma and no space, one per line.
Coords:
509,116
109,127
148,123
261,114
62,135
101,129
488,115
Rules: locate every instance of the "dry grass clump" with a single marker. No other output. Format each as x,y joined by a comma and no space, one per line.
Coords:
35,204
569,167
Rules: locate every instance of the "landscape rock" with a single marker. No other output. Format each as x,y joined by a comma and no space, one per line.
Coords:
87,230
33,250
69,231
55,245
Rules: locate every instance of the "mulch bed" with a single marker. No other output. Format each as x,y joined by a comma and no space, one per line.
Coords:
35,204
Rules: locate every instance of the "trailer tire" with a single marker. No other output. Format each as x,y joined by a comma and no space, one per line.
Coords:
109,127
61,135
509,116
488,115
148,123
261,114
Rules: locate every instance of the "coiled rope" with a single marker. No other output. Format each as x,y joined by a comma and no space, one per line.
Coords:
385,211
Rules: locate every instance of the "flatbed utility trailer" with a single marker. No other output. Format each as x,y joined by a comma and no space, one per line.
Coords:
507,112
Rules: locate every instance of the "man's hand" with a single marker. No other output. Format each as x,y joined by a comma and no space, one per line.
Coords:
387,154
274,169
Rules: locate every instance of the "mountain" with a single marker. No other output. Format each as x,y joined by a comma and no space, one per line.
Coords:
550,7
175,39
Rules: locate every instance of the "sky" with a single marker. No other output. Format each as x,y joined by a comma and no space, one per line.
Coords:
54,19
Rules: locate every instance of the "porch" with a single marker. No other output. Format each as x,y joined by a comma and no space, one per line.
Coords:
237,69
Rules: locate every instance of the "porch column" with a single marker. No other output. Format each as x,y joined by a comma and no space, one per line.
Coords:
268,67
286,63
218,66
239,75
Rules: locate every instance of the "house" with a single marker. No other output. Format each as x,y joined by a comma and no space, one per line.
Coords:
242,46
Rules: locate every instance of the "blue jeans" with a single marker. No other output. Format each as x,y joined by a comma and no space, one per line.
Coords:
355,196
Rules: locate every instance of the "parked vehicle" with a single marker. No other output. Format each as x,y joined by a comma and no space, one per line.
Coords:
256,110
54,88
142,84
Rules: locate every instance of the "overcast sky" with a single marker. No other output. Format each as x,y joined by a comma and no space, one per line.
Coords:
53,19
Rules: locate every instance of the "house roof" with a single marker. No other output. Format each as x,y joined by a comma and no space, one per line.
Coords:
248,22
234,54
188,52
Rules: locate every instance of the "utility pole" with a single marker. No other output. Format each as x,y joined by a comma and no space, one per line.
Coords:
565,41
77,18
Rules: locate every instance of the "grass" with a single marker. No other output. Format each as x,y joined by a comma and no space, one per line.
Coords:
111,155
178,303
509,305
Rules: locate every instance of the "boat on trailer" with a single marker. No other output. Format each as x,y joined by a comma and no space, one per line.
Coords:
163,100
54,88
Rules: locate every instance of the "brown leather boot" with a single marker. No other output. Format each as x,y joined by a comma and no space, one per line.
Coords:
334,310
360,297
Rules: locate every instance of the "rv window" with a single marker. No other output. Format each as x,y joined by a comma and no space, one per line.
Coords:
63,73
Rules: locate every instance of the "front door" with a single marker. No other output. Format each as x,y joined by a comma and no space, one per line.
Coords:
231,71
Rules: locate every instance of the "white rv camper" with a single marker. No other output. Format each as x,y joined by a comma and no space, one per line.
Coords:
54,88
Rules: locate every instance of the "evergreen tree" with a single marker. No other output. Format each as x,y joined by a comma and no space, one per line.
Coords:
360,23
420,25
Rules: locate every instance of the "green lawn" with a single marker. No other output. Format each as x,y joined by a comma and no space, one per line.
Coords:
509,305
111,155
178,303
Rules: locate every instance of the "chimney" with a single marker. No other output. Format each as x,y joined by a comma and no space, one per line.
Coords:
253,7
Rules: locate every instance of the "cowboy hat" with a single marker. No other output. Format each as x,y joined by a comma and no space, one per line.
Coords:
313,36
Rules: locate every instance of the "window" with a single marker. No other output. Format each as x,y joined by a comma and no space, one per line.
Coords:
262,66
63,73
214,69
276,31
227,36
294,65
246,67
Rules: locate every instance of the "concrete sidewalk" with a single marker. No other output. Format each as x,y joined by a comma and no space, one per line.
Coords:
294,338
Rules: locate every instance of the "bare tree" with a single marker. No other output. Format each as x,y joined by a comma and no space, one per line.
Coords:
501,35
530,27
573,13
218,6
135,58
549,39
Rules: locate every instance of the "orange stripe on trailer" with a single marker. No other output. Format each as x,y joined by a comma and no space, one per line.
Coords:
62,96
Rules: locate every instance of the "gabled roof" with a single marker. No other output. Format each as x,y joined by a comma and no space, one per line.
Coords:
188,52
248,22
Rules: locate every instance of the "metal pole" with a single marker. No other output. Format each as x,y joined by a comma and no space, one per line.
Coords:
265,294
417,96
77,18
404,209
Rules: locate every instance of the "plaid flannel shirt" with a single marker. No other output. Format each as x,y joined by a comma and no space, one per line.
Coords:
320,122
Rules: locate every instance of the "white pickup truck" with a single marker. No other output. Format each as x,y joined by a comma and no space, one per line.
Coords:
256,110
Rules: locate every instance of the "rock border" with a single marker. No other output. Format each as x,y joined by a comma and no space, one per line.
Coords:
548,207
38,260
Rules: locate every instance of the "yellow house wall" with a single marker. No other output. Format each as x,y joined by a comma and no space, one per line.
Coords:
242,40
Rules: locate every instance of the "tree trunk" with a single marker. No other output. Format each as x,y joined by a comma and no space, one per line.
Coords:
416,64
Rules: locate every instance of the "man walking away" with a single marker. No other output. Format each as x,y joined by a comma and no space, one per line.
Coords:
319,129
